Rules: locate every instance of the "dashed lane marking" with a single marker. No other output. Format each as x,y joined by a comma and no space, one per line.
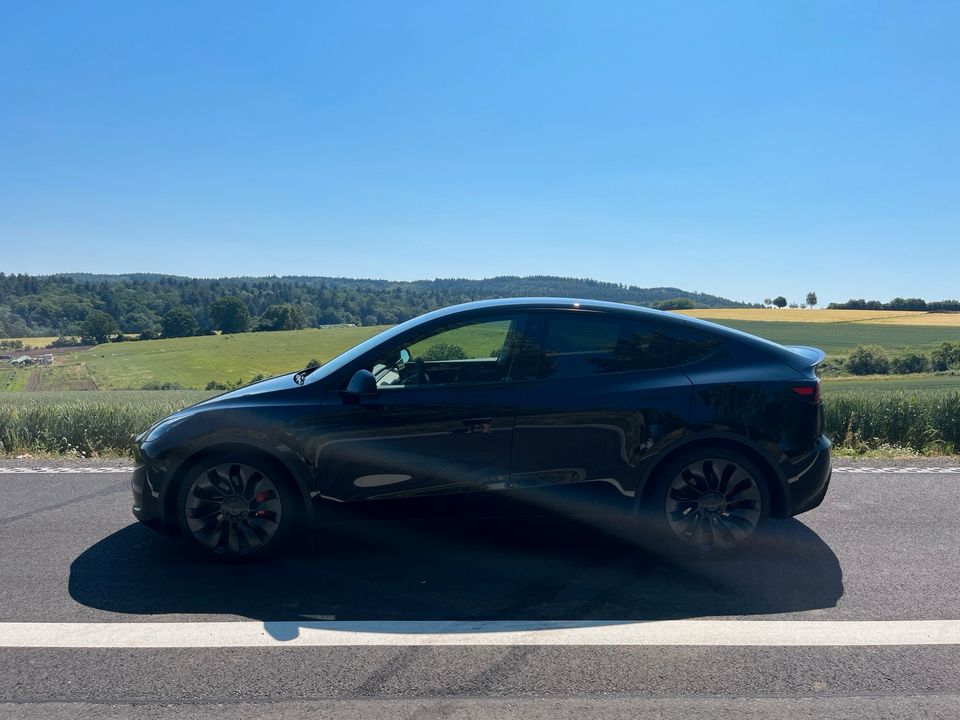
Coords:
749,633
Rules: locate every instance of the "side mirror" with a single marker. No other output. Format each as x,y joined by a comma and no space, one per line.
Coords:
362,385
404,356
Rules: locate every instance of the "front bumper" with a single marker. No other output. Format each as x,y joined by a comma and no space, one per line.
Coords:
146,501
809,485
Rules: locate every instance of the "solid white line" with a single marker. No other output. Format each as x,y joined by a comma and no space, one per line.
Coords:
841,469
62,470
745,633
922,470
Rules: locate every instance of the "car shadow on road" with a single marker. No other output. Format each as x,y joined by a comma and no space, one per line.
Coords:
518,569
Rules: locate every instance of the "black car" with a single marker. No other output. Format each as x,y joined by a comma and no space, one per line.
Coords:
701,431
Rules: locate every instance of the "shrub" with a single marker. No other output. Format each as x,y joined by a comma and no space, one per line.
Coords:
162,386
945,357
444,351
909,363
66,341
868,360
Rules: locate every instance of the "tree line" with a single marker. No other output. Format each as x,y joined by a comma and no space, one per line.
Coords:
99,306
903,304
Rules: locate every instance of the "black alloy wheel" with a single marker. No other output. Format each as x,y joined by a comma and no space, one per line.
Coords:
234,509
709,503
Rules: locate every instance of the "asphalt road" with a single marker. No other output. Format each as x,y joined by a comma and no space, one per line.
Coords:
885,546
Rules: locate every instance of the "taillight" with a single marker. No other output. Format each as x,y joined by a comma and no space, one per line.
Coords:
810,391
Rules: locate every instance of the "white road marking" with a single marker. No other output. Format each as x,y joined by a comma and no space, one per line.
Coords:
896,470
90,470
745,633
59,470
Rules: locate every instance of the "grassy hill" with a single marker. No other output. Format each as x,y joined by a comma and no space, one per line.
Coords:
191,362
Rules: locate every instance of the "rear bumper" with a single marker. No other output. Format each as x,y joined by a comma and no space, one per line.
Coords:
810,478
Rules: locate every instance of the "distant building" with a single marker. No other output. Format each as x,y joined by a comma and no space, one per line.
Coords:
22,360
46,359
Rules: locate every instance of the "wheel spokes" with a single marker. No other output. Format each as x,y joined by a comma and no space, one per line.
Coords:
233,509
713,504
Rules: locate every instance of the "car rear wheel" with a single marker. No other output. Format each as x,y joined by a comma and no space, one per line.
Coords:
236,509
708,502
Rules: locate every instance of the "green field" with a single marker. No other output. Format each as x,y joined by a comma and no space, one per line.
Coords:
83,423
194,362
921,381
839,338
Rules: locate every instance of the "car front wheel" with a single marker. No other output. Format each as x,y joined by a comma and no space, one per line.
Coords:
236,509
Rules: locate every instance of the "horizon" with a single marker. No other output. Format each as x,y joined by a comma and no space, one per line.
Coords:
741,151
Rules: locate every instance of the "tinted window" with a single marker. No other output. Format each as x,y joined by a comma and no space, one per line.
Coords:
473,352
579,345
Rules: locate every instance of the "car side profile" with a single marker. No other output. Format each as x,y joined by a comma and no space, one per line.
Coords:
700,431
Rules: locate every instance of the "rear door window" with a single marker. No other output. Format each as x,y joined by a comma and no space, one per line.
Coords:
581,344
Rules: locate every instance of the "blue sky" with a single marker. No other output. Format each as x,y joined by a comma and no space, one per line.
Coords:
741,149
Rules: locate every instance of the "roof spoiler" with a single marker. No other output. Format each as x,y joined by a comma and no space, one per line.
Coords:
806,357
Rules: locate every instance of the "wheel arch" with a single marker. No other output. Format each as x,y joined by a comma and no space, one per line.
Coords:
295,477
776,485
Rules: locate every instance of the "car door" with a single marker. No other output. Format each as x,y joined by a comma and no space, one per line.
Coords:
607,396
441,420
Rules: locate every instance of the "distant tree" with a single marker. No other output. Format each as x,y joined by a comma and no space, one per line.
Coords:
812,299
780,301
99,326
283,316
767,302
179,322
868,360
314,363
230,315
678,303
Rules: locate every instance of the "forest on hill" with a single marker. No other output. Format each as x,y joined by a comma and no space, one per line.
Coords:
139,303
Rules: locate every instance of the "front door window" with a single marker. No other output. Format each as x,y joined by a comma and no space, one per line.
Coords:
467,353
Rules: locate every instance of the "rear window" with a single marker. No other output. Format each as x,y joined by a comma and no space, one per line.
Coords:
578,345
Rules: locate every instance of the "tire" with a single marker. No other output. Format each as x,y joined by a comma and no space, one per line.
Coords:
706,502
237,507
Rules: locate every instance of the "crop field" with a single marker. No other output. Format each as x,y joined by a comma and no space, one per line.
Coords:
919,381
794,315
840,338
92,424
83,423
31,342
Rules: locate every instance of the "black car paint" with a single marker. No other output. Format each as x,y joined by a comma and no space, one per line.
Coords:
540,437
